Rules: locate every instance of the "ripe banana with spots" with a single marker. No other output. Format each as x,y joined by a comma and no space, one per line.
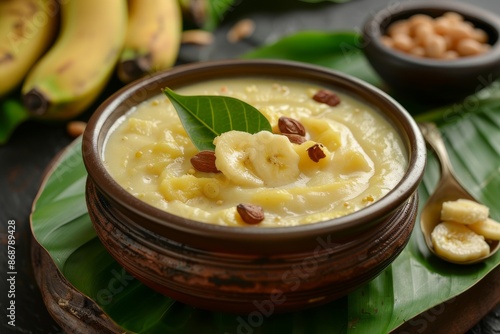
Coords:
70,76
153,38
27,29
261,159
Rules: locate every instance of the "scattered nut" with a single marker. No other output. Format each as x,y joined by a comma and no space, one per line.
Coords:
295,139
250,213
241,30
289,125
75,128
327,97
316,153
197,36
204,161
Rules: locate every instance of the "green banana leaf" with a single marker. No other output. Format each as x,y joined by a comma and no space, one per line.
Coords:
339,50
415,282
216,10
12,114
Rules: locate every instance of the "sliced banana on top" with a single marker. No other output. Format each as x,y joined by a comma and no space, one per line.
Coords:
261,159
232,157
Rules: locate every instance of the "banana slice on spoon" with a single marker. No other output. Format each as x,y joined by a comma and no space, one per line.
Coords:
457,243
454,242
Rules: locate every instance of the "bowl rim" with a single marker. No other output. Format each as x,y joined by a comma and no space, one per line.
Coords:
372,32
406,187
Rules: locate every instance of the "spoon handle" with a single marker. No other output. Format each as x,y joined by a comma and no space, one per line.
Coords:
433,137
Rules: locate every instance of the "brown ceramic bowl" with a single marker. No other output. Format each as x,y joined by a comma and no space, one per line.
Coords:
430,79
241,269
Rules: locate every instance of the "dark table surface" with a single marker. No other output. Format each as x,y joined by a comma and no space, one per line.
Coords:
34,144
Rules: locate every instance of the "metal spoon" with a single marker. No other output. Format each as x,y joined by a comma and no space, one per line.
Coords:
447,189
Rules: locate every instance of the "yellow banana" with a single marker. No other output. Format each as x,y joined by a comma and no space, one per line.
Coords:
75,70
153,38
27,28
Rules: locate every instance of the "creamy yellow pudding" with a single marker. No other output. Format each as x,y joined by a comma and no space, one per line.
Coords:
349,156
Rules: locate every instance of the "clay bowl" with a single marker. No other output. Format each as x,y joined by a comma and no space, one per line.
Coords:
241,269
429,79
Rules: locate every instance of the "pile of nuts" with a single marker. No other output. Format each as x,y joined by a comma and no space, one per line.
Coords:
445,37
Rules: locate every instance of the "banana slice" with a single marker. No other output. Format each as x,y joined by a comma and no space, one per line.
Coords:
261,159
464,211
275,161
232,157
488,228
457,243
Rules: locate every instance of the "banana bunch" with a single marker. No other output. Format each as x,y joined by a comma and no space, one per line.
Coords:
460,237
77,67
62,54
27,28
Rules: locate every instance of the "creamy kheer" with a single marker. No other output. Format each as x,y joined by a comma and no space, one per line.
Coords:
148,152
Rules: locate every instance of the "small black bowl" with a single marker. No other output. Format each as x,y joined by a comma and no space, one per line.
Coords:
432,79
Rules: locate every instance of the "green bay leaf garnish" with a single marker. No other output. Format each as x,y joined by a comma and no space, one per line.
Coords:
204,117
